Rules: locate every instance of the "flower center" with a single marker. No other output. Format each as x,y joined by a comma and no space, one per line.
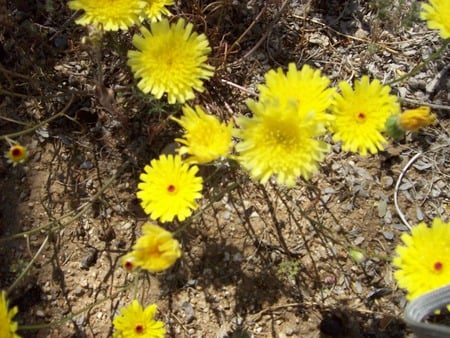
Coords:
16,152
361,117
438,266
139,328
171,188
129,265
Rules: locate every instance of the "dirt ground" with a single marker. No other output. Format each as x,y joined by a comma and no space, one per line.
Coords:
258,261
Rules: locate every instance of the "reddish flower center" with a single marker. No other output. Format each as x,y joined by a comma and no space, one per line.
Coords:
438,266
361,116
129,265
139,329
16,152
171,188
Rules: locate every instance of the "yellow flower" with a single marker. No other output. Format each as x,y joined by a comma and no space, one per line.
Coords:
157,8
16,154
156,250
136,322
169,188
307,88
361,115
112,15
414,119
171,59
7,325
424,260
281,137
206,139
279,141
437,14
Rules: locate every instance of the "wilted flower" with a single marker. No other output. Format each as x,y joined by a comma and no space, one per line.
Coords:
171,59
437,14
111,15
361,115
424,261
8,327
136,322
169,188
205,138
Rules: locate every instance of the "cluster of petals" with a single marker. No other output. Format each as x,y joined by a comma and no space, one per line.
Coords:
205,138
281,139
361,114
169,188
423,261
134,322
437,15
8,327
155,251
16,154
119,14
171,59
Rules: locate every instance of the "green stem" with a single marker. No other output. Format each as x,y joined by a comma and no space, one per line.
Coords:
418,67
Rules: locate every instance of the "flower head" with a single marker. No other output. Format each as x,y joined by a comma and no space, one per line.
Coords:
171,59
206,139
424,260
155,9
281,137
437,14
16,154
361,115
169,188
279,141
7,325
136,322
112,15
414,119
306,88
156,250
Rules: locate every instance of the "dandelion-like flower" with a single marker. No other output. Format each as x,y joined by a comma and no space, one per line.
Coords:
307,88
112,15
281,137
155,9
361,115
171,59
205,138
279,141
414,119
424,261
136,322
169,188
156,250
7,325
437,14
16,154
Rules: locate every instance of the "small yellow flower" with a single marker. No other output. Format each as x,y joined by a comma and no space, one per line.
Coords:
414,119
112,15
361,114
424,261
156,250
155,9
129,262
205,138
437,14
8,327
171,59
169,188
136,322
16,154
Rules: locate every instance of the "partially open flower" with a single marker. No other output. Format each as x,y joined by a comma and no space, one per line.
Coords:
414,119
